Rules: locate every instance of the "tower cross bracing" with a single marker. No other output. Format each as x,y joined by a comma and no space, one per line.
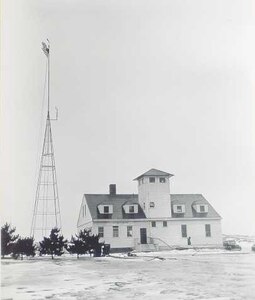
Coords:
46,213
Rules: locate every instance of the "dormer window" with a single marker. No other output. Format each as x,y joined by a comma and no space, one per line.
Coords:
162,180
130,208
152,179
179,209
105,209
201,208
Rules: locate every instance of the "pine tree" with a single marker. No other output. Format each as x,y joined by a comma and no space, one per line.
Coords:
77,246
24,246
54,244
7,239
85,242
93,243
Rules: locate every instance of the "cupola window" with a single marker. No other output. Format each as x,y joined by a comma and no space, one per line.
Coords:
152,179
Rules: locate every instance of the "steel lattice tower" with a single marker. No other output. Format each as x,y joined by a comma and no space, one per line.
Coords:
46,214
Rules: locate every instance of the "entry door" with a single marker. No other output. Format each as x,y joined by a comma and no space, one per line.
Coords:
143,235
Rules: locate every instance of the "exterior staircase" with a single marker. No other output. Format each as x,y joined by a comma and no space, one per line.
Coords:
148,247
153,244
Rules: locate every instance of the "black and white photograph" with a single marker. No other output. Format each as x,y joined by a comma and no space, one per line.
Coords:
127,149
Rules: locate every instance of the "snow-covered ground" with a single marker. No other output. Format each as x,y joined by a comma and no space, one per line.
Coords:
186,274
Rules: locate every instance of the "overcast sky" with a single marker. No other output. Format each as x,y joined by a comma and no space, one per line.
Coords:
139,84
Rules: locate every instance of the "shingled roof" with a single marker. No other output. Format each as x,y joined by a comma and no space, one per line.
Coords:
93,200
154,172
189,200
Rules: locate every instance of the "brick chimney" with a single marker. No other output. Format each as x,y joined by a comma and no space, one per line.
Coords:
112,189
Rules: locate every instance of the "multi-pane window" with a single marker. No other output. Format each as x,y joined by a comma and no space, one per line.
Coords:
179,208
152,204
115,231
164,223
129,231
202,208
162,180
101,232
184,230
131,209
207,230
153,223
152,179
106,209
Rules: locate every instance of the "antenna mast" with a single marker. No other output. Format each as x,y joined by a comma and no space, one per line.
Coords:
48,58
46,214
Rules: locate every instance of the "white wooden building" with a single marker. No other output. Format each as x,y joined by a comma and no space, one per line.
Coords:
152,219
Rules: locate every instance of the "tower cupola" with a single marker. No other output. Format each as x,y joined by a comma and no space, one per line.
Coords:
154,193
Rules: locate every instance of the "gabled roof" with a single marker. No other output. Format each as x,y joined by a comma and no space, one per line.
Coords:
188,200
154,172
93,200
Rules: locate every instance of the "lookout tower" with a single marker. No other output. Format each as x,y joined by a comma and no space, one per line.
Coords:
154,193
